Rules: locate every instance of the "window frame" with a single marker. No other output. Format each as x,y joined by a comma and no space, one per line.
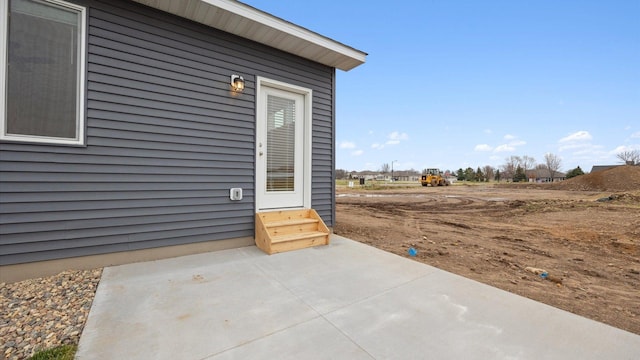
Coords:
80,138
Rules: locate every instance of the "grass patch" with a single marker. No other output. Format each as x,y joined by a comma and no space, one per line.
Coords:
62,352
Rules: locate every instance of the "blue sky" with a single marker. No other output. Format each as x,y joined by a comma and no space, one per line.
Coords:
456,84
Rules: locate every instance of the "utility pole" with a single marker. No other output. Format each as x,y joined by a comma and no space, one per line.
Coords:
392,178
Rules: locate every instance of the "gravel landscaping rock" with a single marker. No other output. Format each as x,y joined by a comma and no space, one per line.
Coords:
41,313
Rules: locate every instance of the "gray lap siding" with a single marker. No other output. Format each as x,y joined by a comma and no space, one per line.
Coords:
166,140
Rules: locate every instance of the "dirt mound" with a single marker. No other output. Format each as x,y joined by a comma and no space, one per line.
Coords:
620,178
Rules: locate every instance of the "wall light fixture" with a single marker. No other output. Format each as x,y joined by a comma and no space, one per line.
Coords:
237,83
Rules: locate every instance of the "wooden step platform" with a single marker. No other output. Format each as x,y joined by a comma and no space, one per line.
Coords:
286,230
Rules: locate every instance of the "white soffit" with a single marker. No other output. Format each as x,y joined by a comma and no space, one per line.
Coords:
248,22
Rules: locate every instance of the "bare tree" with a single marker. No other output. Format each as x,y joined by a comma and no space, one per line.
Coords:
528,163
629,157
489,172
553,163
385,168
516,160
510,166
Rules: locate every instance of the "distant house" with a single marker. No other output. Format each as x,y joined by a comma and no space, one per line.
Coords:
400,175
406,175
596,168
367,175
137,130
544,176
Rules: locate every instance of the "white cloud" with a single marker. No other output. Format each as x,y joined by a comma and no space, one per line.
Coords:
357,153
396,136
623,148
578,142
482,147
347,145
510,146
504,148
393,138
635,135
576,136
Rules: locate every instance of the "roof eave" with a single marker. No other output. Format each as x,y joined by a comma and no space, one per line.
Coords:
248,22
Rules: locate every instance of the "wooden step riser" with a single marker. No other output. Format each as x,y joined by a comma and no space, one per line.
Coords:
291,229
299,244
296,236
272,216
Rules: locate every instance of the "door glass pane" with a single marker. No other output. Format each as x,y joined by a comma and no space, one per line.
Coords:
43,68
280,143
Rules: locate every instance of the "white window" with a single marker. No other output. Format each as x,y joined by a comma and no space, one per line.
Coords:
42,46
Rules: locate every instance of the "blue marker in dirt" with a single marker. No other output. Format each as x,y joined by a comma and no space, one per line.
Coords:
413,252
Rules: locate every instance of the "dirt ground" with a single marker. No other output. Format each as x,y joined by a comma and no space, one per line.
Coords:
584,234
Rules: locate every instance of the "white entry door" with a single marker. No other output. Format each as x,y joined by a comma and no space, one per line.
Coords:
282,146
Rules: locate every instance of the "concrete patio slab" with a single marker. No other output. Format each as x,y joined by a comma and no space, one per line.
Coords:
342,301
314,339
